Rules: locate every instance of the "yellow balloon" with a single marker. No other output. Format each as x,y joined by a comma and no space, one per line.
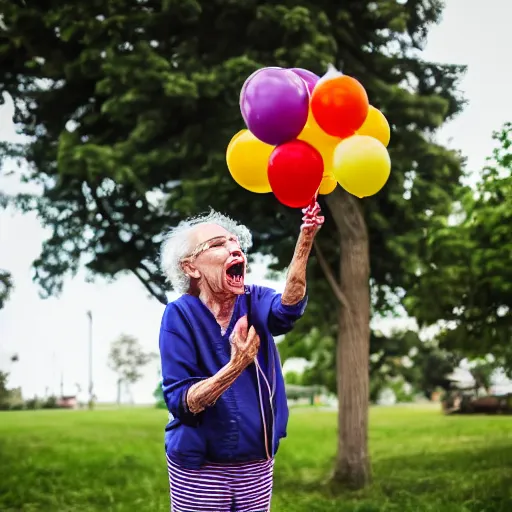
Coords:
321,141
231,142
361,165
328,184
376,125
247,159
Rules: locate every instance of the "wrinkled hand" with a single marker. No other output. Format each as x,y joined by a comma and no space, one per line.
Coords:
312,220
244,343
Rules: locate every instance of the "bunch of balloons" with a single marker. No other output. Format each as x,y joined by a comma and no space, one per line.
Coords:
306,134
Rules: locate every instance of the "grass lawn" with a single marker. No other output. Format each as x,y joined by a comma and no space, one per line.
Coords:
107,460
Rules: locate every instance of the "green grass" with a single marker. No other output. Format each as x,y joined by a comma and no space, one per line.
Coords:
80,461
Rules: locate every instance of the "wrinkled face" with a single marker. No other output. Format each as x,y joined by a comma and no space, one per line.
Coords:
215,261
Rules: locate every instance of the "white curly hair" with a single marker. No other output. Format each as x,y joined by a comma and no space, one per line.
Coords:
176,245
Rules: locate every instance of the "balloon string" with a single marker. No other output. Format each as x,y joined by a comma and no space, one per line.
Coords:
315,197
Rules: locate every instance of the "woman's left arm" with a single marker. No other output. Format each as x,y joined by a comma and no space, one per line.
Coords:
288,307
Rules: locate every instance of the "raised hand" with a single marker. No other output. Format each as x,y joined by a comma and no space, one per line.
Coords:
245,343
312,220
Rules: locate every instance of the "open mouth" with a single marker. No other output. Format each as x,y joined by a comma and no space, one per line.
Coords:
235,274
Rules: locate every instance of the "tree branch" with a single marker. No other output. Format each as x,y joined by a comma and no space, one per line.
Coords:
329,275
147,284
156,283
103,208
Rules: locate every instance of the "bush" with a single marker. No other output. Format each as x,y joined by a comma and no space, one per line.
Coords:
293,378
33,403
159,396
402,395
50,403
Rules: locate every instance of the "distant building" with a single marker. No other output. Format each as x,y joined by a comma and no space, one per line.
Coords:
67,402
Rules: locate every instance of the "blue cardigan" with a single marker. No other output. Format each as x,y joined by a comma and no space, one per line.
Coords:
192,348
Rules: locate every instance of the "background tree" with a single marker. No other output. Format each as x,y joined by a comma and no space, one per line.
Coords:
469,265
4,391
127,359
159,397
129,108
400,357
482,370
293,378
6,286
432,368
6,283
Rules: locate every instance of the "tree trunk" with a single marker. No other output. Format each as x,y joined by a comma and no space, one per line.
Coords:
119,383
352,467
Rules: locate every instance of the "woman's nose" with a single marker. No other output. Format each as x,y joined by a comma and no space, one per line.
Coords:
236,253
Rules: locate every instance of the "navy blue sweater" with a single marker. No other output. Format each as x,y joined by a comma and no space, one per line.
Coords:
192,348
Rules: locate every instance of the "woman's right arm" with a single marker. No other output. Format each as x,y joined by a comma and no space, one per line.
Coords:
244,348
180,371
186,391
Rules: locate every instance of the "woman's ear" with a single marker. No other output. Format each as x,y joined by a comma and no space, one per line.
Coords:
190,270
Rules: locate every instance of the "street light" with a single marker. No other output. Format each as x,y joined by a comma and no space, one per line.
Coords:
91,387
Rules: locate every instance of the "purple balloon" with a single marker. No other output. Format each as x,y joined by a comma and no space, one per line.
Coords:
308,76
274,103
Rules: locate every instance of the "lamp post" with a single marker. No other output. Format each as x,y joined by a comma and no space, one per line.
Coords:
91,386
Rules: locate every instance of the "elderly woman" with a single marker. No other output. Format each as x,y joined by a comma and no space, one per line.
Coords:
222,378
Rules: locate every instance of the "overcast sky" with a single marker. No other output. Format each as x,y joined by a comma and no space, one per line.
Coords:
51,336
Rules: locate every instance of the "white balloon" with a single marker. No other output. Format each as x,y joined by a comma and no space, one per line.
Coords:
331,73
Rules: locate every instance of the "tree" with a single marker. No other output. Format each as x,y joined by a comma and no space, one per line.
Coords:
159,397
4,391
6,283
293,378
469,265
433,367
129,108
126,359
401,356
6,286
482,370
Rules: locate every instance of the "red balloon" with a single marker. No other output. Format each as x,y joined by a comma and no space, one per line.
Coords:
340,106
295,171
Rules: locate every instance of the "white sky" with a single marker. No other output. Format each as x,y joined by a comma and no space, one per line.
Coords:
51,336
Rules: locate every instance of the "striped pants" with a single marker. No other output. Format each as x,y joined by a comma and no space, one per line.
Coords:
243,487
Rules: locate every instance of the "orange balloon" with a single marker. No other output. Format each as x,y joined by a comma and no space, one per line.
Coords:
340,106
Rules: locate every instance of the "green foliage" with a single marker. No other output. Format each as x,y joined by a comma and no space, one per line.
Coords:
34,403
432,368
4,392
129,109
402,355
482,371
112,459
402,395
466,280
293,378
50,403
159,397
6,286
6,283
